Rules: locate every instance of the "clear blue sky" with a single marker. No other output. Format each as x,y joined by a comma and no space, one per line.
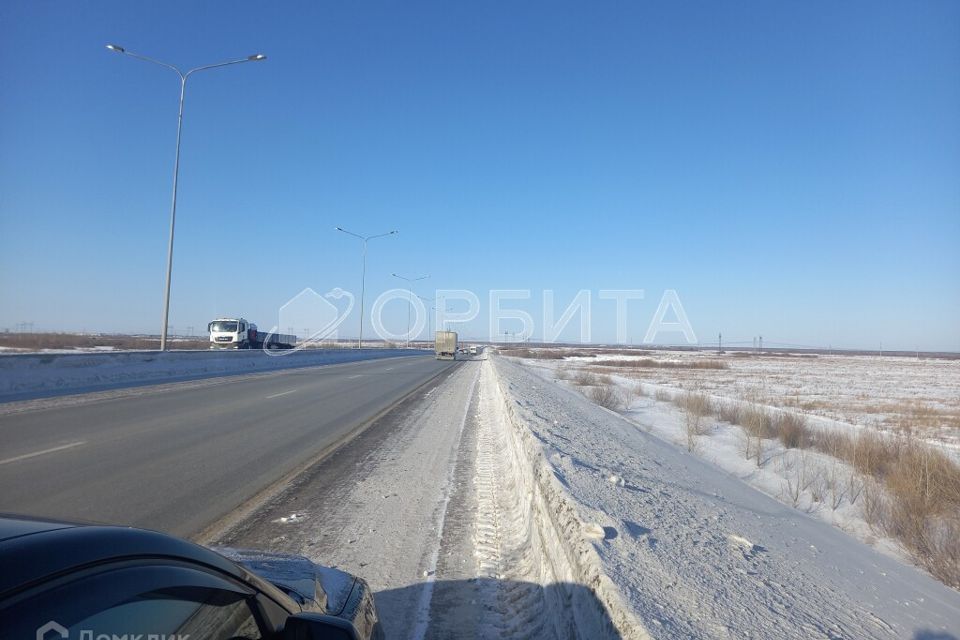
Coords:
792,169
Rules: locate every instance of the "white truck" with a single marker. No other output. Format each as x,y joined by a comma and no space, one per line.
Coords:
445,345
238,333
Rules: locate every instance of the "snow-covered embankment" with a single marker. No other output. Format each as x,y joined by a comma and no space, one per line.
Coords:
692,551
539,535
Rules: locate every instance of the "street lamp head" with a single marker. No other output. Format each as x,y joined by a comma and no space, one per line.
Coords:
117,48
257,56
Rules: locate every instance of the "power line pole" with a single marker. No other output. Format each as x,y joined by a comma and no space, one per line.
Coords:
719,343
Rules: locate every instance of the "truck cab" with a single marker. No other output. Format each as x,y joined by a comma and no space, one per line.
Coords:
230,333
239,333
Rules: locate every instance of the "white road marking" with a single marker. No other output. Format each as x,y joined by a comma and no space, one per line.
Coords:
354,376
282,393
45,451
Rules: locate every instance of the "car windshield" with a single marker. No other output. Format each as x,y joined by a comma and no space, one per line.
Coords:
224,327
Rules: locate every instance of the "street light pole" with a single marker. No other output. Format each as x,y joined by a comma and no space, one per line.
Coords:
176,162
363,271
429,317
410,293
446,310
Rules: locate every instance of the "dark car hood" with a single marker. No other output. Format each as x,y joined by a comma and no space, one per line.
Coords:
313,586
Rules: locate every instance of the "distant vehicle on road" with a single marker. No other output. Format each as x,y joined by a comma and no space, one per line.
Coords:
474,350
63,580
445,345
238,333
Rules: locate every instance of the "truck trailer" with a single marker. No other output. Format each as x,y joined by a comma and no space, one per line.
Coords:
238,333
445,345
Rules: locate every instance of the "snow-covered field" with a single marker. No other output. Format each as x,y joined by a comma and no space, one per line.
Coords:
693,549
889,393
14,350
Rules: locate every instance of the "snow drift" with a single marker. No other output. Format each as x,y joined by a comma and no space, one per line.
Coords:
543,535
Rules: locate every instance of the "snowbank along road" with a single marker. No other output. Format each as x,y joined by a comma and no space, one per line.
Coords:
30,375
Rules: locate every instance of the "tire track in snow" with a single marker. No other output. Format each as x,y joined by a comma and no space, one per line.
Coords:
535,586
503,549
426,594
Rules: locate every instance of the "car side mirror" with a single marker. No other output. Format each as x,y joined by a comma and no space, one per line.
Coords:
316,626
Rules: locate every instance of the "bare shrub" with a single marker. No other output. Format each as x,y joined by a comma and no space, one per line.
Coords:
606,395
710,364
535,354
746,444
943,551
819,487
924,500
562,373
872,454
837,488
696,403
873,504
604,379
906,489
791,477
695,407
756,420
922,510
584,378
663,395
757,425
854,486
730,412
650,363
639,391
791,428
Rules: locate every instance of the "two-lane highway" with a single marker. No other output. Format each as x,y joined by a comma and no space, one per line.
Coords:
182,458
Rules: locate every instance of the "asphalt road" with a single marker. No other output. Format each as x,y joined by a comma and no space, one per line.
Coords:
182,458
